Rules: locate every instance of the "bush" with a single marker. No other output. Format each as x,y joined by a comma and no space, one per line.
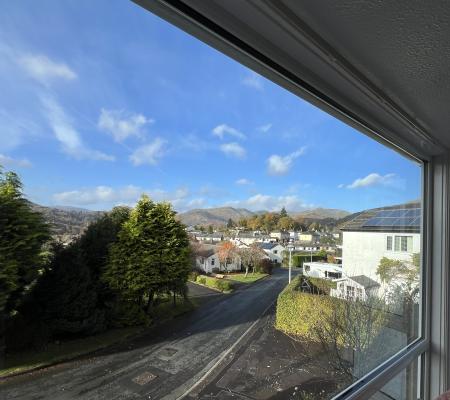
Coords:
126,313
265,266
300,313
201,280
215,270
224,286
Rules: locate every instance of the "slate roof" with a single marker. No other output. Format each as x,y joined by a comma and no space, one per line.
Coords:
365,281
206,252
267,246
385,219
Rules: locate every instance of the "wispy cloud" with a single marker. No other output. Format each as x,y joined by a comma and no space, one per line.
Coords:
243,181
233,149
373,179
253,80
66,134
121,124
149,153
7,161
281,165
265,128
222,130
44,70
260,202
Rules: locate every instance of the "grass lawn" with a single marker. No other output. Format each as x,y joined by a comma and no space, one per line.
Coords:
250,278
23,361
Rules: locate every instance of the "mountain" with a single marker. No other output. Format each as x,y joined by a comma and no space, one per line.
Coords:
322,213
67,222
213,216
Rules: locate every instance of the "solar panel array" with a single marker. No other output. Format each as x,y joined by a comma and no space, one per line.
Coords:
406,217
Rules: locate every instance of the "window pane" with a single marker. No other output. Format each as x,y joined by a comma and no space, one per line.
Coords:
405,386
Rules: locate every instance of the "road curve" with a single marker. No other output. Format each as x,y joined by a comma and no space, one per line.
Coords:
166,364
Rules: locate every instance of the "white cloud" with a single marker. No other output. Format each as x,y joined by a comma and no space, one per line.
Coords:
42,69
67,135
224,129
233,149
279,165
341,185
243,181
149,153
372,179
260,202
121,125
7,161
107,197
254,81
265,128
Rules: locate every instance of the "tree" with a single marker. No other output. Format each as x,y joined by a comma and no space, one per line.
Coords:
23,233
151,256
226,252
230,223
210,229
285,223
283,213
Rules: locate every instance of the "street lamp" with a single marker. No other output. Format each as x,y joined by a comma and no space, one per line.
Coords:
290,248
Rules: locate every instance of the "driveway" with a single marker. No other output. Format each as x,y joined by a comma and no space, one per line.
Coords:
176,360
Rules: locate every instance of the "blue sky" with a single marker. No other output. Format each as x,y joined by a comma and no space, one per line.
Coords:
102,101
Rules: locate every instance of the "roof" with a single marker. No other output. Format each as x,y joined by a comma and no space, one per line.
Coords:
399,218
206,252
364,281
267,246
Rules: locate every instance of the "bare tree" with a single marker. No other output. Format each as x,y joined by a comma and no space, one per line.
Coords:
227,252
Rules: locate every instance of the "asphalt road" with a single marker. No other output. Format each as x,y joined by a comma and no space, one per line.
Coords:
177,360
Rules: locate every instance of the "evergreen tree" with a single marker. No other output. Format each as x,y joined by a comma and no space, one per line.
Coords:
151,256
23,233
283,213
230,223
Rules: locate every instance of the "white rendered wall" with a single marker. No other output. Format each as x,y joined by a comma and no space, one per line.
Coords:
362,251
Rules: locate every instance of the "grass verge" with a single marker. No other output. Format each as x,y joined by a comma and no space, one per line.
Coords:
250,278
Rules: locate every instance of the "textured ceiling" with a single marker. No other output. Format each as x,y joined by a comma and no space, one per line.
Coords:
385,65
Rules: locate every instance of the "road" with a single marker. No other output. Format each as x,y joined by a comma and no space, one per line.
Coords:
178,360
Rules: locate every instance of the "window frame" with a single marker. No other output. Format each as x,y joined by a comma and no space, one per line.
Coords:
435,254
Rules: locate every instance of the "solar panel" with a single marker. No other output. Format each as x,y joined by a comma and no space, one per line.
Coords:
398,218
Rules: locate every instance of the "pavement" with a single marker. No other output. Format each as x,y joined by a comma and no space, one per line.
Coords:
226,348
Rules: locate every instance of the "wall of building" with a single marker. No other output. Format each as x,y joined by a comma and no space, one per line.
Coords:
362,251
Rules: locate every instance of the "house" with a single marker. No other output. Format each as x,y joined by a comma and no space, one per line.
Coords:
357,287
312,237
306,246
322,270
207,260
280,236
209,237
392,232
274,251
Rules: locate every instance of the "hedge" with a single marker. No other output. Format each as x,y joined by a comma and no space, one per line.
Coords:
300,313
299,259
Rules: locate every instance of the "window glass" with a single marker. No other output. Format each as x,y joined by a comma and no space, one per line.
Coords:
132,154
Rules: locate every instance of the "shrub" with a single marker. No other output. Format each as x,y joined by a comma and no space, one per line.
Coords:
223,285
215,270
201,280
265,266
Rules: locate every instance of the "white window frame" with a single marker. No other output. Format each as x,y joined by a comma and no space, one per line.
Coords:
434,324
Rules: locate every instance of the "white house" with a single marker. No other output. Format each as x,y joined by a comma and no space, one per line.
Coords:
355,287
207,259
322,270
392,232
209,237
274,251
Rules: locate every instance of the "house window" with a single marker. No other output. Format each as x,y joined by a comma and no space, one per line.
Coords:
275,251
389,243
350,292
212,261
403,244
359,293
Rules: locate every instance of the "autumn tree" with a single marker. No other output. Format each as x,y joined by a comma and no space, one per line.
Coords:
226,253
